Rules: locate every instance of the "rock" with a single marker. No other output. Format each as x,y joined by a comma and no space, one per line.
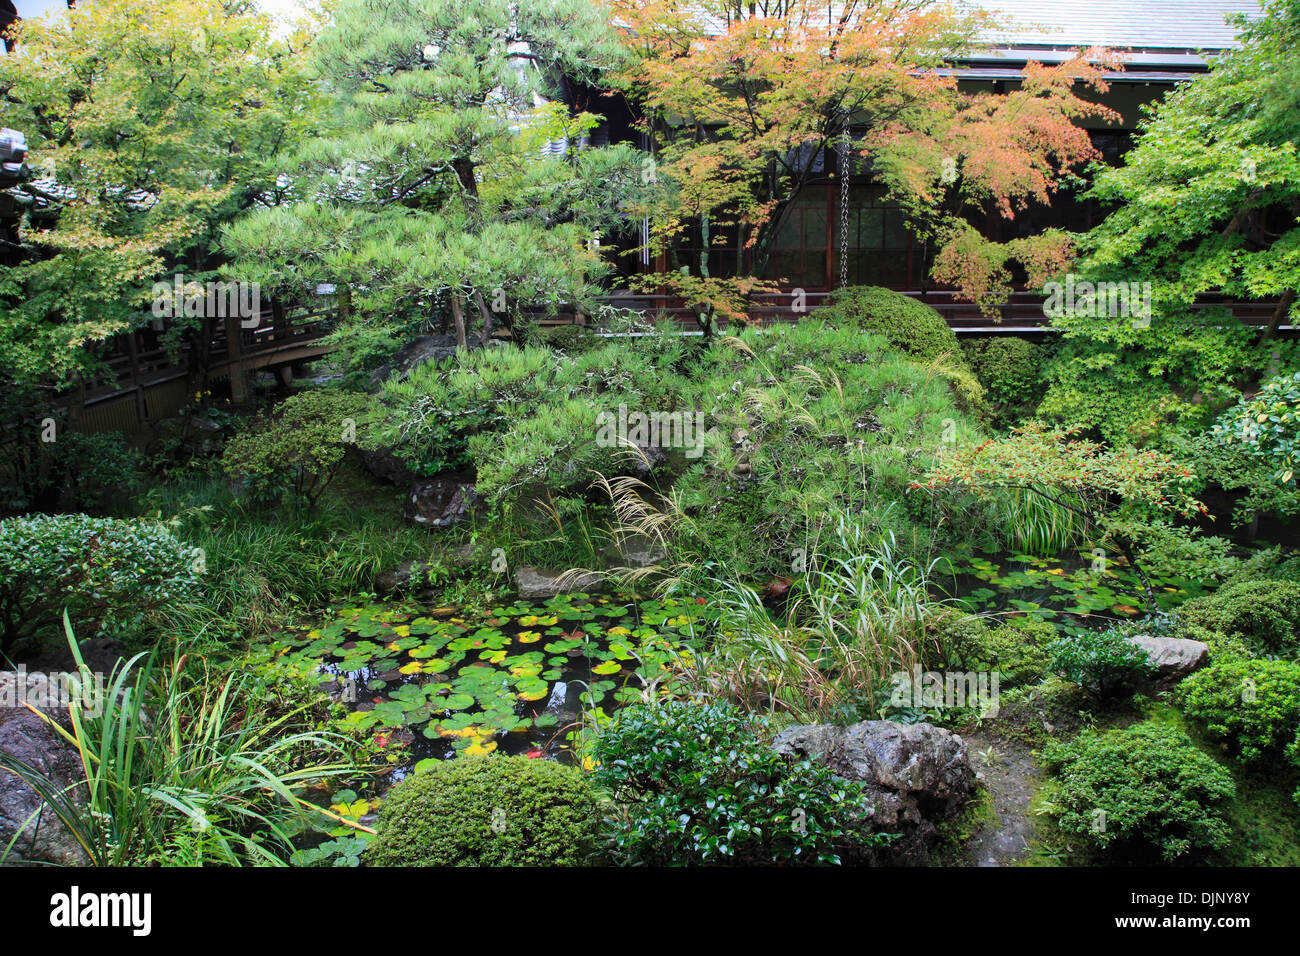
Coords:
1172,657
401,578
915,775
44,840
382,463
536,584
424,348
440,502
633,552
101,654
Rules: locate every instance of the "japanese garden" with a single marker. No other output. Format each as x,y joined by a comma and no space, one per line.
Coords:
615,433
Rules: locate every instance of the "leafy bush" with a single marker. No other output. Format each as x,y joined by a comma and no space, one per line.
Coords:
1264,616
487,811
301,443
1266,425
107,573
1101,662
1147,783
1255,705
912,327
697,783
1017,650
1011,371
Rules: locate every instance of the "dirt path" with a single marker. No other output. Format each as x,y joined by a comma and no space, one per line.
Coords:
1012,776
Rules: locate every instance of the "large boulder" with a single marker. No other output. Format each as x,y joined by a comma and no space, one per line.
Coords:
382,463
424,348
440,502
1172,657
538,584
27,738
915,774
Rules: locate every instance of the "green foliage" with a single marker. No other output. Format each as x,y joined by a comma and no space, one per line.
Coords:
432,186
1101,662
1265,425
487,811
1017,649
911,326
1204,203
697,783
184,767
1249,478
264,565
301,443
1146,784
110,575
1011,371
795,424
143,101
1254,705
1263,616
74,472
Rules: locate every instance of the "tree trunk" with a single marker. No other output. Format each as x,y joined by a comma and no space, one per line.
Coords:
459,318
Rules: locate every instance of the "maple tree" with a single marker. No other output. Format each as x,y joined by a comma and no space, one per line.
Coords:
742,99
150,125
1207,201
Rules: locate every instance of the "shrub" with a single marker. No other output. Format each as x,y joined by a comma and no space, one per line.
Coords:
107,573
1255,705
697,783
1101,662
909,324
1011,371
912,327
1262,615
302,442
1147,783
1017,650
487,811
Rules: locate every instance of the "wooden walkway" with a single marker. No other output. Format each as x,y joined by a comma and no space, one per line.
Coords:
144,386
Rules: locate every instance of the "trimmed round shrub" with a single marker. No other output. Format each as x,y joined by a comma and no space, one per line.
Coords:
1148,784
1011,371
910,325
698,783
1264,616
1101,662
109,574
487,811
1254,705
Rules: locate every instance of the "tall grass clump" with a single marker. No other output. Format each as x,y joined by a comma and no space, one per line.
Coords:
180,767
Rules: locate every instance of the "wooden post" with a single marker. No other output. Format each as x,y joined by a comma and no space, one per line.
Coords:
234,358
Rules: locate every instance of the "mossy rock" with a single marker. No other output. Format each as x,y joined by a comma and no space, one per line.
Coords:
488,811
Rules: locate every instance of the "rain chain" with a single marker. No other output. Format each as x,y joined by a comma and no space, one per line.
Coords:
844,208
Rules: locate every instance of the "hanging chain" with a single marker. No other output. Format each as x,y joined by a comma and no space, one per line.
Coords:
844,208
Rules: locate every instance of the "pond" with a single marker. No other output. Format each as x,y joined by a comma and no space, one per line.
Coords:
1077,591
426,683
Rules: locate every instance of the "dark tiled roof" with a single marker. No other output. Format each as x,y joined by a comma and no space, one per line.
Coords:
1132,24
